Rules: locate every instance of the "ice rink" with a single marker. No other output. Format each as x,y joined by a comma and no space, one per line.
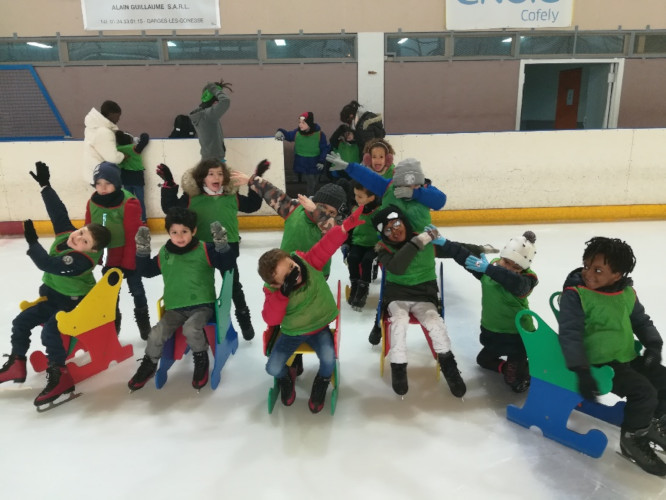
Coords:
177,443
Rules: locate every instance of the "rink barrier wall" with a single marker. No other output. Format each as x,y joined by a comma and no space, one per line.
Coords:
489,178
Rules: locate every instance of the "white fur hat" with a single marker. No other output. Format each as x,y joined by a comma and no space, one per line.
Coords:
521,250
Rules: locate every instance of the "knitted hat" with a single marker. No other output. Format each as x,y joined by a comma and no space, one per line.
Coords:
333,195
308,117
408,172
207,92
385,215
109,172
521,250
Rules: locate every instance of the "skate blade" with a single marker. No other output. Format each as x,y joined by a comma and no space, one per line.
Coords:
58,402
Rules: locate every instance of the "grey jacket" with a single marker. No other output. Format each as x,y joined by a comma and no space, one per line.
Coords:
206,121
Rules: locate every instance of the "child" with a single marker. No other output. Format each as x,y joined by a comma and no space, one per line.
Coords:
119,211
67,279
411,288
505,285
209,192
599,315
310,148
186,266
131,168
407,187
99,141
378,155
343,142
362,248
298,299
206,119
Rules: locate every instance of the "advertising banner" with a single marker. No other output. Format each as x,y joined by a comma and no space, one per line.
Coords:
496,14
104,15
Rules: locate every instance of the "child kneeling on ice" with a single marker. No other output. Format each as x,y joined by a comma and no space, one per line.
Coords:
298,299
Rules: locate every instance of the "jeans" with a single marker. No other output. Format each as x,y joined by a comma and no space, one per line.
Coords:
285,345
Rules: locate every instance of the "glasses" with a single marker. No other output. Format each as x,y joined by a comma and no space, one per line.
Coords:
389,229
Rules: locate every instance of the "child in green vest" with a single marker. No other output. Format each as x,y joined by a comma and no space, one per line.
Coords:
131,168
505,285
411,288
187,268
343,142
119,211
298,299
210,191
67,278
310,148
378,155
362,248
599,316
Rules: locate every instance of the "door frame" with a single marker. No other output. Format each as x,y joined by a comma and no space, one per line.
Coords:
614,85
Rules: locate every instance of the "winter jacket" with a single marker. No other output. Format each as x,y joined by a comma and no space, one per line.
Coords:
99,143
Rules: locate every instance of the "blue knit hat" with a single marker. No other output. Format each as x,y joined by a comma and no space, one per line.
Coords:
109,172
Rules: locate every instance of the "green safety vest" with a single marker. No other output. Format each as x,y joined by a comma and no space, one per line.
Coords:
112,218
72,286
189,279
300,233
210,208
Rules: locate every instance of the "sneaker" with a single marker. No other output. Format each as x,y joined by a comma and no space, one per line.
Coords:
58,382
142,321
375,335
449,367
243,317
636,447
318,394
145,372
657,432
200,377
399,378
14,369
287,387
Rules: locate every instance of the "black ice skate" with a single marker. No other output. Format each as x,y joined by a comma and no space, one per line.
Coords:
358,302
200,377
635,446
318,394
399,378
375,335
287,387
58,383
243,317
449,367
145,372
657,433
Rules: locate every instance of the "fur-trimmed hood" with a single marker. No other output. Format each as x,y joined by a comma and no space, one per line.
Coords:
191,188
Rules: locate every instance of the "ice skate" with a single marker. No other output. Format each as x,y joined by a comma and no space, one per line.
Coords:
657,433
59,383
145,372
399,378
200,376
318,394
449,367
14,370
287,387
635,446
358,301
375,335
243,317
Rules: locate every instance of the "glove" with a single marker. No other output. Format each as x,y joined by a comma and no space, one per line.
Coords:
475,264
651,358
165,174
587,386
262,166
337,163
437,239
404,192
345,252
320,166
43,175
29,231
290,282
421,240
143,142
279,136
353,220
142,240
219,236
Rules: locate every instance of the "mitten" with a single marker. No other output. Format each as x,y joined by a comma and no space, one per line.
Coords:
279,136
475,264
164,173
337,163
219,236
290,282
404,192
587,386
651,358
142,240
421,240
353,220
143,142
320,166
262,166
42,174
29,232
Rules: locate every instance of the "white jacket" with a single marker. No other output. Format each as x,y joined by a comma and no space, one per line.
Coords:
99,143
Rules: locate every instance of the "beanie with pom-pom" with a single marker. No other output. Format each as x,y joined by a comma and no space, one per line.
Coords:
521,249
